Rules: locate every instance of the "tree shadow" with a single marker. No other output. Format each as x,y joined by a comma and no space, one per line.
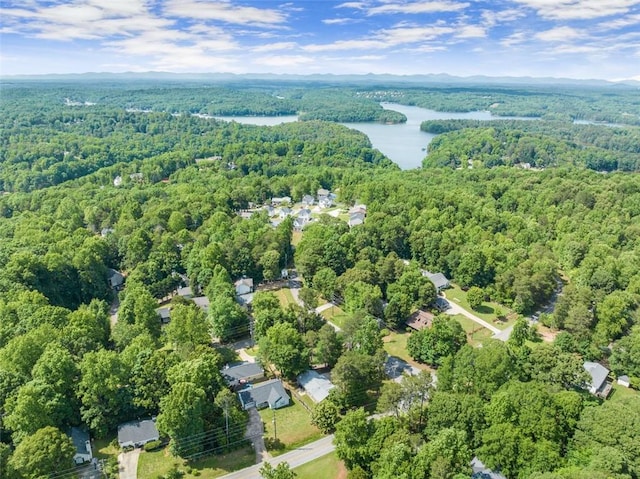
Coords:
483,309
273,444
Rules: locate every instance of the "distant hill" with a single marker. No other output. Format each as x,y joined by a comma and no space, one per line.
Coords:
369,79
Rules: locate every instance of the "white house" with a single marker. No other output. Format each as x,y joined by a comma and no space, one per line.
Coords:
244,286
598,385
308,200
315,385
356,219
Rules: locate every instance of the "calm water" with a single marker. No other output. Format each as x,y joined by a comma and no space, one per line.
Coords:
404,144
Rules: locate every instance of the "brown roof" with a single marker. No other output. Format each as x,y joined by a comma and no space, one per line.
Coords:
420,320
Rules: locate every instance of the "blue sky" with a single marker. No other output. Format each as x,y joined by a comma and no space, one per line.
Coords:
561,38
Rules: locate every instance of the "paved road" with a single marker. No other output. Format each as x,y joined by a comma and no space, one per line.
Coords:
295,458
457,309
128,464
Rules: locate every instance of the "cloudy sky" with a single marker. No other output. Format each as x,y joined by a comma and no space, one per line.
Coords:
562,38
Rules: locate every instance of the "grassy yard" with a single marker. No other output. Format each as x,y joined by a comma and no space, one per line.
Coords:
476,334
296,237
153,464
293,428
104,449
326,467
395,344
620,392
486,311
336,315
285,297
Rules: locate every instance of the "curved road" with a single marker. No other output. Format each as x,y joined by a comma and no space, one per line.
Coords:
295,458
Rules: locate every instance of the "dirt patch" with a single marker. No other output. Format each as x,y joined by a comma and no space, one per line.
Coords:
548,335
342,471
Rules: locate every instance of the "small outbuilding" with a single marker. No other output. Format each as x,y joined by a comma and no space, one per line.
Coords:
185,292
115,278
624,381
137,433
242,374
315,385
165,314
271,394
82,443
202,302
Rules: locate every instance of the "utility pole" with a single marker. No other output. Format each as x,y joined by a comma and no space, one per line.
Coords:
226,419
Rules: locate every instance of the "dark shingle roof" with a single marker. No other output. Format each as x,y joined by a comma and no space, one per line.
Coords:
137,432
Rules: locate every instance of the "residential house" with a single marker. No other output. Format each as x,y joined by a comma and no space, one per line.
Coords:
244,286
420,320
165,314
356,219
82,443
308,200
323,193
480,471
269,394
299,224
271,211
304,214
106,232
115,278
358,209
277,201
242,374
137,433
315,385
284,212
201,302
439,280
325,202
598,385
185,292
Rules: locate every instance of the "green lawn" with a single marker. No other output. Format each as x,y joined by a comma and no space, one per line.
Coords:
104,449
293,428
285,297
296,237
620,392
395,344
336,315
153,464
326,467
486,311
476,334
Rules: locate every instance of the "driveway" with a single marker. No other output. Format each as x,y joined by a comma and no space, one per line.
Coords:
457,309
128,464
255,434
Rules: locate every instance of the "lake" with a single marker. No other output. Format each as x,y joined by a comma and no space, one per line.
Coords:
403,143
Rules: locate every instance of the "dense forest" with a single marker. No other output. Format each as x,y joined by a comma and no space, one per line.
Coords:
519,236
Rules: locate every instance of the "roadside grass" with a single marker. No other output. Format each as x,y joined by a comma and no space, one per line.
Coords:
486,311
325,467
476,334
284,296
252,351
155,464
293,428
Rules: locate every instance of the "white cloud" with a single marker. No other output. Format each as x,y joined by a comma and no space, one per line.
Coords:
491,18
415,7
559,34
471,31
223,11
619,23
516,38
578,9
270,47
338,21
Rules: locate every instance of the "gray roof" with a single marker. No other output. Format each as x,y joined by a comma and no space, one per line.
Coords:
241,372
316,385
80,438
266,392
115,277
598,373
185,291
201,302
624,377
245,282
138,432
164,313
480,471
439,280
